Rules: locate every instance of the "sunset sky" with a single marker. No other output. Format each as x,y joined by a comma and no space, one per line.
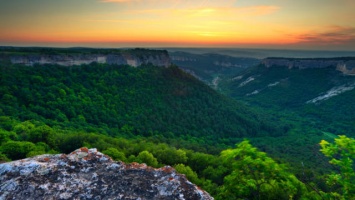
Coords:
290,24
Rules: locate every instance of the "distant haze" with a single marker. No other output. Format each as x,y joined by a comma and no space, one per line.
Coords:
263,53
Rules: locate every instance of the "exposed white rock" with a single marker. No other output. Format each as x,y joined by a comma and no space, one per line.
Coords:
215,82
237,78
250,79
273,84
331,93
133,58
346,65
253,93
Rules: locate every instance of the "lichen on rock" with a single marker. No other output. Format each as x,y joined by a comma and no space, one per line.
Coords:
89,174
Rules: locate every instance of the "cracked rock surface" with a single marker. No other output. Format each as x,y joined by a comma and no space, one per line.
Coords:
89,174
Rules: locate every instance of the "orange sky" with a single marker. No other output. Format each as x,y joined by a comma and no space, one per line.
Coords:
301,24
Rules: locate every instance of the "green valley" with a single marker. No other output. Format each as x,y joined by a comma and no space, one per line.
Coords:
255,145
319,97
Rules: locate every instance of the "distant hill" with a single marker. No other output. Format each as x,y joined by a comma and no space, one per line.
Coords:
211,67
319,90
265,53
120,99
343,64
82,56
315,102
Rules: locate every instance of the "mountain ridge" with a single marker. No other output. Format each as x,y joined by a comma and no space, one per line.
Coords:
287,85
72,57
146,100
344,64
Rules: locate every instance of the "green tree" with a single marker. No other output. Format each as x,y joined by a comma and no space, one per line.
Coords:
189,173
254,175
40,134
17,150
169,155
23,129
3,158
115,154
6,135
342,155
147,158
6,122
35,153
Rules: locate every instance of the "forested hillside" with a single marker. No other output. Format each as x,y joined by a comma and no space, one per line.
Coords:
211,67
321,97
143,101
164,116
242,172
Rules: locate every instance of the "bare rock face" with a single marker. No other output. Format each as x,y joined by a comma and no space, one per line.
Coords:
346,65
134,58
89,174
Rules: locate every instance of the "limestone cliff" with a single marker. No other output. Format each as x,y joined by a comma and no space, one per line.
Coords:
345,65
89,174
134,57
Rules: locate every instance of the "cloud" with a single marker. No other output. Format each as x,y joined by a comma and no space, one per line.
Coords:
334,35
331,37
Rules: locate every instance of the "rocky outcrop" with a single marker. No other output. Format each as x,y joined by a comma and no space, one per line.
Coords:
89,174
135,58
345,65
347,68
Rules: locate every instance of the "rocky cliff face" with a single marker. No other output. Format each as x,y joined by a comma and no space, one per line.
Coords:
347,68
346,65
88,174
132,57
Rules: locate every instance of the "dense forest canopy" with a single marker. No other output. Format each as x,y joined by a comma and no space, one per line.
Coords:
132,101
164,116
242,172
317,99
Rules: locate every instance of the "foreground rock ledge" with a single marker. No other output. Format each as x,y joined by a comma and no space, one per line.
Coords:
89,174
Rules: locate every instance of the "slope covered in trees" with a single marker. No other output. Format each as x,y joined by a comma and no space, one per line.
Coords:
242,172
315,103
143,101
322,98
164,116
211,67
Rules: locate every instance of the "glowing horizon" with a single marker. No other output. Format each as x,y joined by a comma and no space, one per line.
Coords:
305,24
